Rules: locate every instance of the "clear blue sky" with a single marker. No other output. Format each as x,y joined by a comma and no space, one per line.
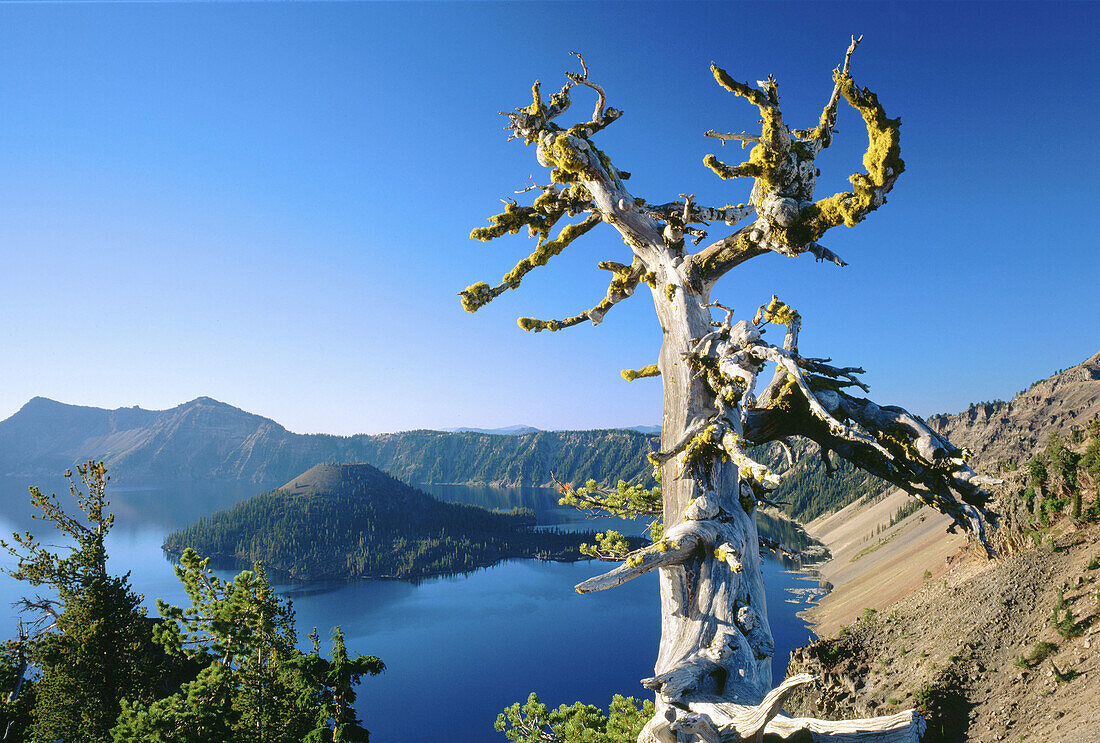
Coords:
269,204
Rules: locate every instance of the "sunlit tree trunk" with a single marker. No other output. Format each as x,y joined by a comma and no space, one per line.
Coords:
712,677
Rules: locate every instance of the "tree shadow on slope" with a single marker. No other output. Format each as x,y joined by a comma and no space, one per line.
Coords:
944,704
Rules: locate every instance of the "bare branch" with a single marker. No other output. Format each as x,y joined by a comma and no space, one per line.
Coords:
715,260
582,79
699,214
823,134
903,727
729,137
824,254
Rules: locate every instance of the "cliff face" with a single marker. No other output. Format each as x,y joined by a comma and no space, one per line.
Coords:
529,459
206,440
1017,430
989,650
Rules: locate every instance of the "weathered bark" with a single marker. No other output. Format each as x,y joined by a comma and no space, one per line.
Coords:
712,677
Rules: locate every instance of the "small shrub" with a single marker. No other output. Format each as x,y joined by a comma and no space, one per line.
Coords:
927,574
1039,652
924,696
1065,624
1094,563
1061,676
832,652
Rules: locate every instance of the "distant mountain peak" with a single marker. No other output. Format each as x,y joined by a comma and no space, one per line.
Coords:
517,430
38,402
205,401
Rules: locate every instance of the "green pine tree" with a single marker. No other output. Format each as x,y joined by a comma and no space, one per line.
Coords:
534,722
249,683
97,646
336,720
17,693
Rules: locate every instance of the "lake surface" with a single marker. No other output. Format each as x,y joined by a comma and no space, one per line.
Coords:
458,650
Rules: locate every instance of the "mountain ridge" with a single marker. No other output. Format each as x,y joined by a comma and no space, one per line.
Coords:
211,441
208,440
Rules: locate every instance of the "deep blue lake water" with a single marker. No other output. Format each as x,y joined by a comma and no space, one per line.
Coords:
458,649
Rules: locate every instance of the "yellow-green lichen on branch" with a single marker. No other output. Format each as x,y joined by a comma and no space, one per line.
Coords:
897,441
779,312
725,553
535,325
547,250
883,164
624,279
703,451
754,95
650,370
738,249
729,389
538,219
536,108
727,172
480,294
476,296
767,158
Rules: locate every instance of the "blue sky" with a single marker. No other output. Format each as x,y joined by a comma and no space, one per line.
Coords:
270,204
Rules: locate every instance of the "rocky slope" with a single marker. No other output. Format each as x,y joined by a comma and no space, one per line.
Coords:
1001,431
976,649
985,648
876,562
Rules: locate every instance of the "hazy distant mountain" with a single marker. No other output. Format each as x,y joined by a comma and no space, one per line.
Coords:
506,431
205,440
520,430
208,441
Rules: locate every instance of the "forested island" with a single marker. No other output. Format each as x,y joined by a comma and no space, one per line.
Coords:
354,521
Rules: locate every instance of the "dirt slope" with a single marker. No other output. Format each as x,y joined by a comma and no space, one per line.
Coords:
965,647
871,569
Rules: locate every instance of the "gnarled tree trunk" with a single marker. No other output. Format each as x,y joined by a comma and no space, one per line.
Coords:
713,673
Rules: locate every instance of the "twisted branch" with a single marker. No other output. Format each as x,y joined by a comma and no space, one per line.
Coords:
624,281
